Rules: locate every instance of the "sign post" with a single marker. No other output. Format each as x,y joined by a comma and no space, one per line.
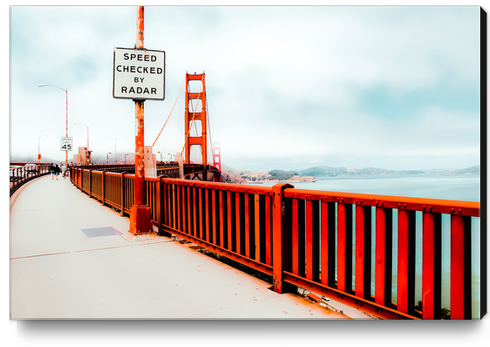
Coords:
139,74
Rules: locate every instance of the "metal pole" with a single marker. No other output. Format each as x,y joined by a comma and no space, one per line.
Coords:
140,219
115,148
139,166
66,160
39,148
66,92
87,132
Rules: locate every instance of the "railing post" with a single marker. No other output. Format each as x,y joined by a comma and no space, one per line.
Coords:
431,265
383,271
344,246
363,251
406,261
103,188
461,267
160,204
278,223
90,183
122,193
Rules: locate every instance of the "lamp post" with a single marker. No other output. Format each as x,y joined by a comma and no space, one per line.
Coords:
115,148
87,132
66,93
108,157
39,148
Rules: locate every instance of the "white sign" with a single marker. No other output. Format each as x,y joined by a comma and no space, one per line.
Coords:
138,74
66,143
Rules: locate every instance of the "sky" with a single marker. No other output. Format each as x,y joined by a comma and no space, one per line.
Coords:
288,87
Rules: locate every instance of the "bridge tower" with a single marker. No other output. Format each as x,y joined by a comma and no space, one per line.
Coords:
192,116
217,156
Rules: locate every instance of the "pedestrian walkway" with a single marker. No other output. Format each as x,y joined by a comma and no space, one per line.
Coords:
71,258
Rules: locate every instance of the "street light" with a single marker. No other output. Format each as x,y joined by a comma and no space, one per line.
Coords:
87,132
66,92
108,157
115,148
39,148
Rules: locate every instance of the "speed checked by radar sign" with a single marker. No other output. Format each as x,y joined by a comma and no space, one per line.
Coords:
138,74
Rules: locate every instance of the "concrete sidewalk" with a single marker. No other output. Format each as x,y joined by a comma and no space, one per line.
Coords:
58,272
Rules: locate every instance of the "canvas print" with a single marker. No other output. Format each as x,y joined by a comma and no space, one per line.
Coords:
247,162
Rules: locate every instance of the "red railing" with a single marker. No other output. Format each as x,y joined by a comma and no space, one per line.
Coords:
21,174
318,240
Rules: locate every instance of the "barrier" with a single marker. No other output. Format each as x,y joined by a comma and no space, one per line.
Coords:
21,175
318,240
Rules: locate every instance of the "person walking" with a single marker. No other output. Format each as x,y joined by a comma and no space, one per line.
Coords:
63,171
57,171
52,170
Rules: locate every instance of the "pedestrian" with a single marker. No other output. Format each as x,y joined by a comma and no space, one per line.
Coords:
52,170
57,171
63,170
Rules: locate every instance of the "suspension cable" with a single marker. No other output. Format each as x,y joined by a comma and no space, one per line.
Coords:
169,113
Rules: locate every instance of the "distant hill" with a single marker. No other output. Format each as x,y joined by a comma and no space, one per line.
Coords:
327,171
239,176
474,170
33,159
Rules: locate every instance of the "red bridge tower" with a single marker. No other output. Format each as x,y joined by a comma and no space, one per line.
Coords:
193,116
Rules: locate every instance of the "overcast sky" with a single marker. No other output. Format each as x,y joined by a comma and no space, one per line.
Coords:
287,87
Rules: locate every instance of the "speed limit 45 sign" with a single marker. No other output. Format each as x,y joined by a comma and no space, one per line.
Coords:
66,143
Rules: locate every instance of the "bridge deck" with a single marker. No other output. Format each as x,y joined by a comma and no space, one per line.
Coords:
58,272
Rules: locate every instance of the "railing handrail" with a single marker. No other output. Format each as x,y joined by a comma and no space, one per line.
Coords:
24,175
460,207
315,230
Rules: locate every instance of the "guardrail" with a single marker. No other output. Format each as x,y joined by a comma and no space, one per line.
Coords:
318,240
21,175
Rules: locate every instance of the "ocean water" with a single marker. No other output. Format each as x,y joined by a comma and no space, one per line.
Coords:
449,187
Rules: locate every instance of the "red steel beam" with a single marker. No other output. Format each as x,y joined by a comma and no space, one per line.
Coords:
278,219
268,231
327,244
214,211
344,247
312,240
194,211
257,226
295,237
229,212
384,230
460,267
221,220
189,217
406,262
431,266
457,207
237,224
178,203
363,252
247,225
